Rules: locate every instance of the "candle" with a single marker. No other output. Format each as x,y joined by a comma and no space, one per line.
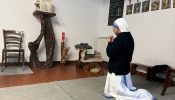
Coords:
63,36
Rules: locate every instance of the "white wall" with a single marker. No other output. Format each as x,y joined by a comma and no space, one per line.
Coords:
85,20
105,30
79,19
153,32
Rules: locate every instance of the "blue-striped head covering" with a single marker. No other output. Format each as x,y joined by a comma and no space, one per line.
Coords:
121,24
115,25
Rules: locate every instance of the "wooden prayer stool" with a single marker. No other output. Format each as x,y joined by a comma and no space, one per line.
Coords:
133,67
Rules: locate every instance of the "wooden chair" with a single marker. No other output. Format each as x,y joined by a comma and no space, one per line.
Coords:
169,80
12,47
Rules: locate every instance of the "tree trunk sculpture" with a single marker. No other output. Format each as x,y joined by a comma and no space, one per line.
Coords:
49,37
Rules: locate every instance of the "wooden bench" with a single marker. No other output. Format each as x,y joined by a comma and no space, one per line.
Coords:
133,67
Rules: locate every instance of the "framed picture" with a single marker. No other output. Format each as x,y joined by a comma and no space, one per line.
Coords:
166,4
174,4
155,4
129,9
137,7
145,6
46,5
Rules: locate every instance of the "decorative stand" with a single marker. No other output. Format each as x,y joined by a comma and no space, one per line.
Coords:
89,62
79,64
87,68
49,37
62,43
64,52
81,47
62,48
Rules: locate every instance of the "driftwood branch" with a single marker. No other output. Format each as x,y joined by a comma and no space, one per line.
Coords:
64,52
49,37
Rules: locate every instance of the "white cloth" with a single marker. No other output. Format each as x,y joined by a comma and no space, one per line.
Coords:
120,87
122,24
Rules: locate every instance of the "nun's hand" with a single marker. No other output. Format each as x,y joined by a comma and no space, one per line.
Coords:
110,39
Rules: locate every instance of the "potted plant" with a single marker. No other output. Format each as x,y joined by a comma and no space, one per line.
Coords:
82,46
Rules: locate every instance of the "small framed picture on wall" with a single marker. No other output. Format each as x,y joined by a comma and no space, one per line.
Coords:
137,7
145,6
155,4
129,9
174,4
46,5
166,4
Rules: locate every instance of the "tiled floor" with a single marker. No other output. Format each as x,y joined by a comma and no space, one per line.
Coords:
57,73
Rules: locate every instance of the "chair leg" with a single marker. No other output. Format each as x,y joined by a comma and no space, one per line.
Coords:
154,77
2,67
166,84
23,67
19,59
5,59
151,75
165,88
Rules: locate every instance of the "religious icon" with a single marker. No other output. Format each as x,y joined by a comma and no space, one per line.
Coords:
46,5
166,4
129,9
145,6
155,4
137,8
